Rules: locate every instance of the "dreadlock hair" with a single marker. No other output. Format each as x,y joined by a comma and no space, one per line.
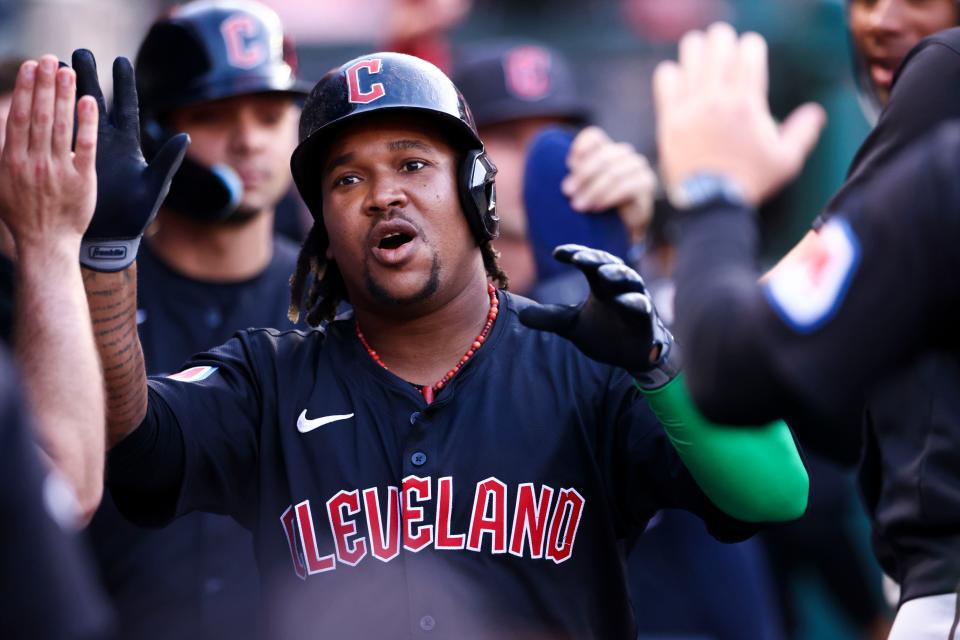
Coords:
327,289
491,264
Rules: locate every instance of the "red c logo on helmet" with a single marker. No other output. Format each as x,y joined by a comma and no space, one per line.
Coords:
357,95
241,53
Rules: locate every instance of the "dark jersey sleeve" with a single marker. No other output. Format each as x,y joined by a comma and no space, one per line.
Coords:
198,446
877,288
648,474
148,499
925,94
46,580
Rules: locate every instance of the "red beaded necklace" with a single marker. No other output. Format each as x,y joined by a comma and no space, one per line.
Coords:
428,391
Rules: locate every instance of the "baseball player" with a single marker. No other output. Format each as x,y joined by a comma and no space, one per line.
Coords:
919,96
428,465
838,324
916,42
48,582
923,96
908,45
518,91
882,33
212,265
52,478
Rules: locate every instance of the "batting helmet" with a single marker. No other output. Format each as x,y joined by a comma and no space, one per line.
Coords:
393,82
204,51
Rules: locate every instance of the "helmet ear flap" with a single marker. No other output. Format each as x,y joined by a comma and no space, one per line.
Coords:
207,194
478,195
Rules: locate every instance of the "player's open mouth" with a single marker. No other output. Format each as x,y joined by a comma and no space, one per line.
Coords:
392,241
881,69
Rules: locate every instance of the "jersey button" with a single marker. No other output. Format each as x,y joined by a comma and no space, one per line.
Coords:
213,318
427,623
419,458
414,417
213,586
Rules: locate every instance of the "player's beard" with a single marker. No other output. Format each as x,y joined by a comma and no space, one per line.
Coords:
379,293
382,295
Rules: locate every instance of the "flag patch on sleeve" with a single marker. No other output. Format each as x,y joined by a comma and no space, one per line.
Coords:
194,374
807,289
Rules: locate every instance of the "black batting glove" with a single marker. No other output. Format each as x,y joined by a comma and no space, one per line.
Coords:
129,191
616,324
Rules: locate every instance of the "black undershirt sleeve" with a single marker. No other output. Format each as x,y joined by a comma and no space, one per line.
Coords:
747,362
719,308
145,470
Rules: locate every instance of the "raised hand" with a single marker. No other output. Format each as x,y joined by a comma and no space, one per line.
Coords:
713,116
47,197
130,191
610,175
616,324
48,191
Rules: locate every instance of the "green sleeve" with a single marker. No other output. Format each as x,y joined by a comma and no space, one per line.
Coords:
754,474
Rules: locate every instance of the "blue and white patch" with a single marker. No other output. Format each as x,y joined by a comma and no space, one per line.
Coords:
193,374
807,289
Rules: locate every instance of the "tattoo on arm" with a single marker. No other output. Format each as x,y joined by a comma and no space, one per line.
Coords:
113,309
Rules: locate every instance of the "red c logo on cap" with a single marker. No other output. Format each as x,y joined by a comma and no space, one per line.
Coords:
527,71
236,31
355,94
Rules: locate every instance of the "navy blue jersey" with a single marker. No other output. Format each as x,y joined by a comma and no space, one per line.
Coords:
196,577
178,316
499,510
45,577
867,317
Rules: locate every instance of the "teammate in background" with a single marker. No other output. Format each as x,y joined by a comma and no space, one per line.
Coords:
883,33
907,90
210,266
825,332
46,581
908,65
909,83
516,92
432,418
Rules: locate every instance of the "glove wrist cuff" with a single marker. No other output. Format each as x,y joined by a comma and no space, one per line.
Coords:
665,369
107,255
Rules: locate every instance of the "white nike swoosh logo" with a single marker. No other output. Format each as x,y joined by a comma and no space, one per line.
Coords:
305,425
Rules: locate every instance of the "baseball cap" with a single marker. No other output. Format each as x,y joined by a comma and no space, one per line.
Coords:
512,81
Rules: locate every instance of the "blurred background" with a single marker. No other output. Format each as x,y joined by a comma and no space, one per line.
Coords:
824,583
612,45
